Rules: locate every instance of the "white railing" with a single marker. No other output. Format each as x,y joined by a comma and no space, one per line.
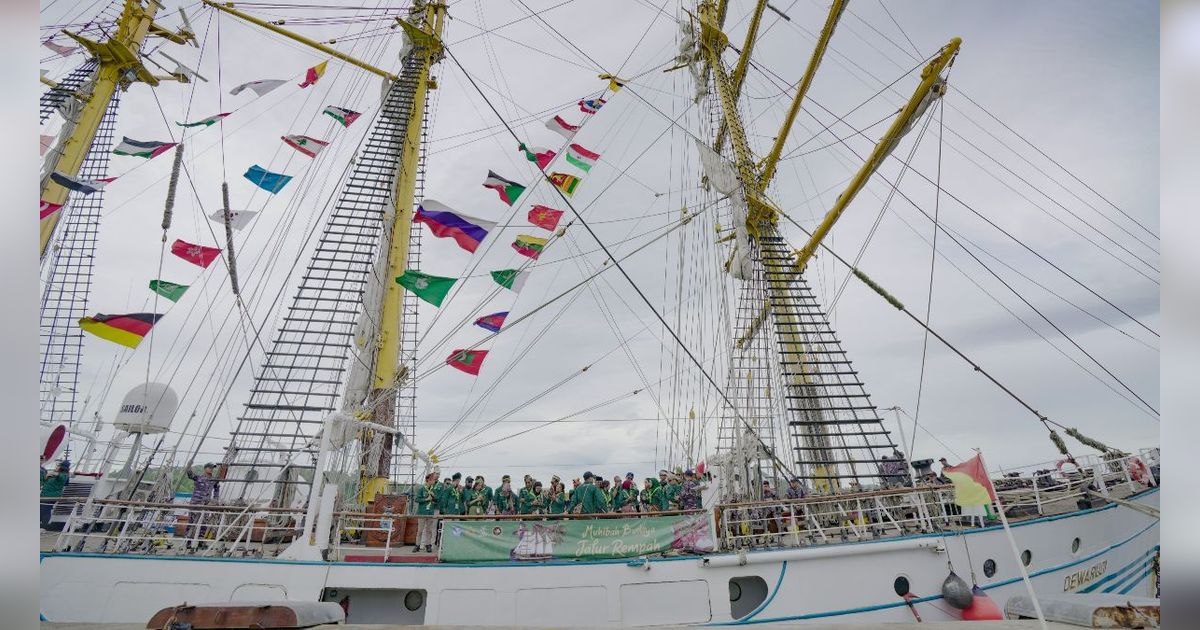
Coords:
134,527
880,513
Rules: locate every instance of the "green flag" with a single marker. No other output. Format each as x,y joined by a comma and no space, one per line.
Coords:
432,289
512,279
169,290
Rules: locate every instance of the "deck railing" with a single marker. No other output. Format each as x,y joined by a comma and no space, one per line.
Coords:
133,527
927,508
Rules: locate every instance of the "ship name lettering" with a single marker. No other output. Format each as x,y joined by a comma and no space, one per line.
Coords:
1084,577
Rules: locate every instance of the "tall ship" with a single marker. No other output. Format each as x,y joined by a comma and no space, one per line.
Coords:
309,318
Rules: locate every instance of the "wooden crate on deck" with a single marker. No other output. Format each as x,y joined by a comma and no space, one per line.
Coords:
394,509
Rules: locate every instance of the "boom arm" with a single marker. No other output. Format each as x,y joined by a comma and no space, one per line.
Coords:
931,88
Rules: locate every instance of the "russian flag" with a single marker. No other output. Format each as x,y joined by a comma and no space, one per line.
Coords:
445,222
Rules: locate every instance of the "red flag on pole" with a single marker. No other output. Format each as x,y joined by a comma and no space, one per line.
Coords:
195,254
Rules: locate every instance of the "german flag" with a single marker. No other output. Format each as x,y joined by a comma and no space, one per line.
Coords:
126,330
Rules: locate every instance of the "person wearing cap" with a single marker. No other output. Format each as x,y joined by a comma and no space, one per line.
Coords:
942,478
503,498
588,499
689,491
52,488
427,509
206,489
556,497
452,497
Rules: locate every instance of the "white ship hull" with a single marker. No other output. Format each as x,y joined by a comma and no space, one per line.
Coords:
852,581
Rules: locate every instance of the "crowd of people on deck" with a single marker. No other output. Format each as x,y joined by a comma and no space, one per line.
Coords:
592,494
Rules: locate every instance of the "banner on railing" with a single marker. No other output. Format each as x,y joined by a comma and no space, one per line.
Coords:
575,539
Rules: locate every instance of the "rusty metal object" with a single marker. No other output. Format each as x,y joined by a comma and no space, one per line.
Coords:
1090,610
245,615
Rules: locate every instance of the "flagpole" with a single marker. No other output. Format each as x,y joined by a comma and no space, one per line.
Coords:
1037,606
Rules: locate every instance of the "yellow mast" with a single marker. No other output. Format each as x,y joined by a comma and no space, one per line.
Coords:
814,62
387,377
762,215
119,65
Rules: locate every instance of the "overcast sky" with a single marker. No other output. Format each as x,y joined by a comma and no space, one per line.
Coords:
1077,79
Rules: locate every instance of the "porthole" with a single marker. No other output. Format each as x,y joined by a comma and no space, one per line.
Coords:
735,591
413,600
1075,545
1026,557
901,586
989,567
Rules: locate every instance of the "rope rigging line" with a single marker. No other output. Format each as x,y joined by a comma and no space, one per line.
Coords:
975,212
1006,145
1105,251
271,260
620,268
1019,296
937,197
1018,135
902,308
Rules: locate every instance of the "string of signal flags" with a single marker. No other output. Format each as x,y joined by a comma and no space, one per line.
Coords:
130,329
468,231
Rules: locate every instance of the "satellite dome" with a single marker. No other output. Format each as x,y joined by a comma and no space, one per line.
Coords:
147,408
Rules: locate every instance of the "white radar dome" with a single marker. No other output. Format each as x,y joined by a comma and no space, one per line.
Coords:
147,408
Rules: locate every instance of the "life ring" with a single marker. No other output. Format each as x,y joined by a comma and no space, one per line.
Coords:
1064,462
1138,470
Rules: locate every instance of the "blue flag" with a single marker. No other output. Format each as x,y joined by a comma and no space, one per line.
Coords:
493,322
266,180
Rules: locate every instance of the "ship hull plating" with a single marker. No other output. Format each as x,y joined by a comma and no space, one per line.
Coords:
855,581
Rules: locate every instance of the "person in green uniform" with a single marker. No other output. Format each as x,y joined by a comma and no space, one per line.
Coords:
427,508
525,497
52,486
503,498
588,498
477,498
626,498
488,493
452,497
557,496
649,497
633,489
537,505
571,493
671,493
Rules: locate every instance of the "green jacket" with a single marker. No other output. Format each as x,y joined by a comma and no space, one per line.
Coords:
670,498
476,501
525,499
505,504
54,484
427,499
452,501
590,498
558,503
624,497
